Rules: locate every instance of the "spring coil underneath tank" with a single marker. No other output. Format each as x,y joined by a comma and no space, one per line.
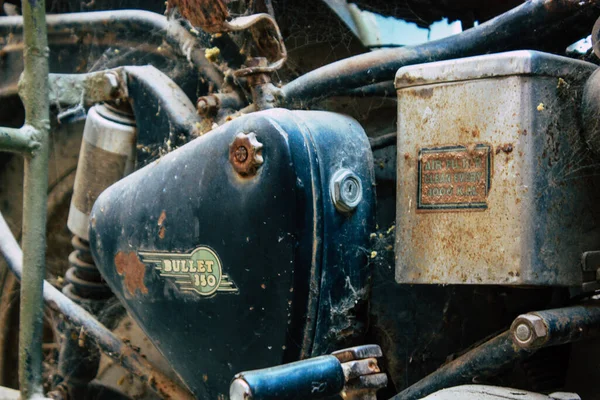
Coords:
85,284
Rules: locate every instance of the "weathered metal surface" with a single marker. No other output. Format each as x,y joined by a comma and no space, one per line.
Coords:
558,326
486,392
22,141
76,315
351,373
483,361
88,89
134,37
210,15
537,24
34,92
264,267
107,154
495,185
165,116
590,111
314,378
245,154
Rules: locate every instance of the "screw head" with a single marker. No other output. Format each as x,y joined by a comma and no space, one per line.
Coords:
346,190
245,154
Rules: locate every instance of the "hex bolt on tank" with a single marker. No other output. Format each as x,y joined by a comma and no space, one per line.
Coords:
245,154
346,190
529,330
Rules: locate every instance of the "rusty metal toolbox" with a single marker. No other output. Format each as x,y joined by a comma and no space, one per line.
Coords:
495,185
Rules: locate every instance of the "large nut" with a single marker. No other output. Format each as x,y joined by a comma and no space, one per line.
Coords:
245,154
346,190
529,330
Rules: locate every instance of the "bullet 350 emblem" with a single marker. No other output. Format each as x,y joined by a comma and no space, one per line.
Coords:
199,271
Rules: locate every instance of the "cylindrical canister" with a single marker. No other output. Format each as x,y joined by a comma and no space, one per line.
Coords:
107,155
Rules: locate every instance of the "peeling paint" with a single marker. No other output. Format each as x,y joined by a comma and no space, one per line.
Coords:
133,271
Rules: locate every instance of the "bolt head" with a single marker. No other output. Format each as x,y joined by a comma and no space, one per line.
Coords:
346,190
529,330
245,154
522,332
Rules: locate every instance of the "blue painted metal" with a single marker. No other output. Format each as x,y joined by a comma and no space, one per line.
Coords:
313,378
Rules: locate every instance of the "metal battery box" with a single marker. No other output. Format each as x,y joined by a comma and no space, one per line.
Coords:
495,185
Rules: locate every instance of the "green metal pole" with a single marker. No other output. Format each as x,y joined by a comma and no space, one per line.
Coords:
18,140
34,92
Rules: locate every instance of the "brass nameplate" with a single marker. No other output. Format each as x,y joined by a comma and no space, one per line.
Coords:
200,271
454,177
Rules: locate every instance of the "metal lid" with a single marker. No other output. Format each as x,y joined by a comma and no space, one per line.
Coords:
522,62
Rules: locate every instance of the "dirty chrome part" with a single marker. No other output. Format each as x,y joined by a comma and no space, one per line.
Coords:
489,193
108,343
107,154
345,190
483,361
529,330
558,326
352,373
245,154
529,26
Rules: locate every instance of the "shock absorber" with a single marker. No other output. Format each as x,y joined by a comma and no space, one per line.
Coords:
107,154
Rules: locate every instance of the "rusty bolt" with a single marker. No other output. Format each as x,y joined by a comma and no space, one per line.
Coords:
529,331
346,190
208,105
245,154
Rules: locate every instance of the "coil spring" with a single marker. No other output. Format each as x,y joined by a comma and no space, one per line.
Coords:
85,284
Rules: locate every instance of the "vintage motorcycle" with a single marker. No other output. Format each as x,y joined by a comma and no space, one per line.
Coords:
240,199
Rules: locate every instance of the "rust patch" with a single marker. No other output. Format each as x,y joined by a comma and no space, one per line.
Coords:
507,148
161,221
210,15
133,271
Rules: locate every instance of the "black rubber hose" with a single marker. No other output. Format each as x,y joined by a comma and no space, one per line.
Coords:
536,24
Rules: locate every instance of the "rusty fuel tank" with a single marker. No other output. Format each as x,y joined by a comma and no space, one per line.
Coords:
495,184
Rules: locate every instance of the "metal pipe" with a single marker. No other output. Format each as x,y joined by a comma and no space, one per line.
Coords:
20,141
34,92
558,326
139,24
94,330
536,24
483,361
